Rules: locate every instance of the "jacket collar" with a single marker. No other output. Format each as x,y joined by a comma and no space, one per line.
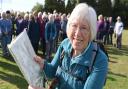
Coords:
85,57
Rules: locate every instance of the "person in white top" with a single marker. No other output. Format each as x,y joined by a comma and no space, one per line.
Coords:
118,32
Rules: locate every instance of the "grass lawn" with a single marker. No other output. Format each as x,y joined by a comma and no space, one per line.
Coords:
11,77
118,66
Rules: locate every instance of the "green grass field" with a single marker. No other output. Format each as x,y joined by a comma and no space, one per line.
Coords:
118,66
11,77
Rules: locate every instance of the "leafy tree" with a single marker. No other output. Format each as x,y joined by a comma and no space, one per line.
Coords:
51,5
103,7
70,5
120,9
89,2
60,7
38,7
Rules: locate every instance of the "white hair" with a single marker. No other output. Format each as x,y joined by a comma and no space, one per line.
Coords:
85,13
39,14
26,16
100,17
51,17
3,15
118,18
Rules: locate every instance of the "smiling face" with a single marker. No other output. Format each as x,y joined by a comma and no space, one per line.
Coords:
79,34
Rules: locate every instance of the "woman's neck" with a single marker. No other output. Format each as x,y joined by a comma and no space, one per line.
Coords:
75,53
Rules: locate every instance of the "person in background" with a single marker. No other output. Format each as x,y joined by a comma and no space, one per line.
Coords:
34,31
6,26
42,28
63,26
106,31
43,42
118,29
111,30
24,23
13,18
58,28
19,20
100,28
50,34
71,70
9,25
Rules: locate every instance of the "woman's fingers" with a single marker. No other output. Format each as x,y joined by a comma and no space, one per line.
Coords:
40,61
37,59
31,87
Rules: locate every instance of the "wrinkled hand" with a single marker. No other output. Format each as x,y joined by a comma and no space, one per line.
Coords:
31,87
40,61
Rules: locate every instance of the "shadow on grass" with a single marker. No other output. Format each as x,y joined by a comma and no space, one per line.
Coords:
8,58
116,51
10,67
111,78
113,61
117,74
14,79
112,57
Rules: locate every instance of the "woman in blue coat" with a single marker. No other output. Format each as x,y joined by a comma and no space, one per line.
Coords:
50,35
5,26
71,69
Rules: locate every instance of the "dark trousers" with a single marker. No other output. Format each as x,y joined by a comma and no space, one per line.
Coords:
49,49
35,47
110,38
5,40
43,46
119,41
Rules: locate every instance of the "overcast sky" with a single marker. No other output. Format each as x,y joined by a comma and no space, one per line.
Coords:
18,5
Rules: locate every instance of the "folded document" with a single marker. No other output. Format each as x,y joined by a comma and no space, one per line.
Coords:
23,53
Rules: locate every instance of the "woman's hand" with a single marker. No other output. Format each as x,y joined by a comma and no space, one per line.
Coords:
40,61
31,87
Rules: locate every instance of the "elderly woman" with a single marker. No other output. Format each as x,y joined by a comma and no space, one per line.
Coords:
50,35
118,30
71,69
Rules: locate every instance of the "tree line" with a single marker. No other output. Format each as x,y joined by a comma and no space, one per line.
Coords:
112,8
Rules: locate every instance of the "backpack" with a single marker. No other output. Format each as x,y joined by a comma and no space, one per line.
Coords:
97,45
102,47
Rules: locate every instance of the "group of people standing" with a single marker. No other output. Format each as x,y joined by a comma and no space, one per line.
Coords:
44,29
106,28
82,28
50,28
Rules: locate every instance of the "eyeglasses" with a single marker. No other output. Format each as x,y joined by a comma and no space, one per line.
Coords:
83,28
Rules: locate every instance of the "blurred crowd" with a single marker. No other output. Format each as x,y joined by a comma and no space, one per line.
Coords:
46,30
109,32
